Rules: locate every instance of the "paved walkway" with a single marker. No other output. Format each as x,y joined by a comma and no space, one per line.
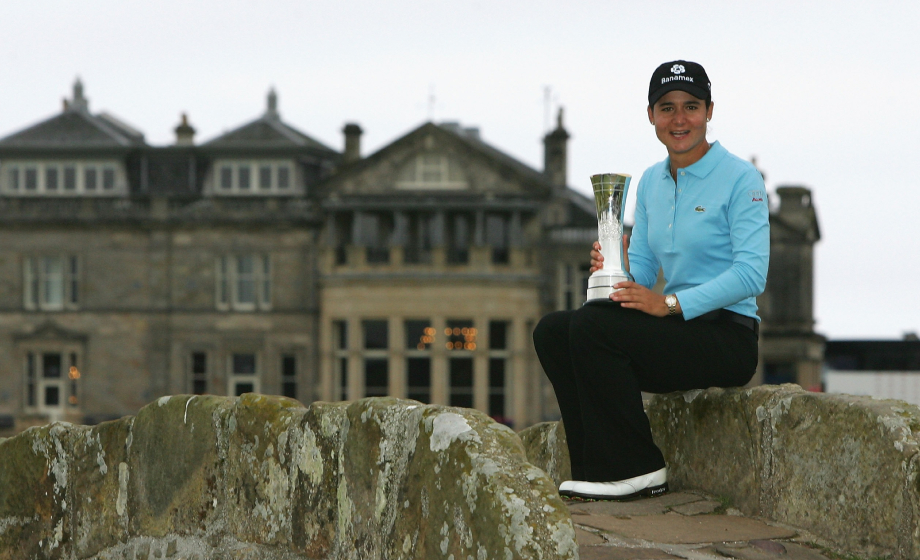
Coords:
683,525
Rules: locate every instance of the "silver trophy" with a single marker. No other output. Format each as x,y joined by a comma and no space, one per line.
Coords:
610,198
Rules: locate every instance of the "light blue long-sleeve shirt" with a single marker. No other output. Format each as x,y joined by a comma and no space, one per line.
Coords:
709,233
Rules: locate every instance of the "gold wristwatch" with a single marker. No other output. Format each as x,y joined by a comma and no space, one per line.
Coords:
671,301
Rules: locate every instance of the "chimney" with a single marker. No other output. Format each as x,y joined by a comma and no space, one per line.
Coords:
554,154
352,143
185,134
797,210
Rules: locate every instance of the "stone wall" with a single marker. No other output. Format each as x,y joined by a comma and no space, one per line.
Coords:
263,477
844,468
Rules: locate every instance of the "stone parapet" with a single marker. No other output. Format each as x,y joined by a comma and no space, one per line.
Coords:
842,467
263,477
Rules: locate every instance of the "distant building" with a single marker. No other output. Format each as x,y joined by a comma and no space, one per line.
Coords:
129,271
887,369
263,260
790,349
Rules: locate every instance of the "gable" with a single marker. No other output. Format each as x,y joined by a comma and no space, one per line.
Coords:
433,160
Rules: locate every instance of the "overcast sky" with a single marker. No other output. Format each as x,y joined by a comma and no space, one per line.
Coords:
822,93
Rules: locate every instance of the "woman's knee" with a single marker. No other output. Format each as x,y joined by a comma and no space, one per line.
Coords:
552,329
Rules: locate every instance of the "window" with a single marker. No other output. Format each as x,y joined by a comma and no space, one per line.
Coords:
244,374
289,376
52,381
90,178
52,283
458,242
70,178
420,337
31,178
265,177
572,280
497,226
226,177
14,178
342,236
498,363
461,335
461,382
419,245
431,171
199,373
777,373
284,177
64,178
376,359
108,179
340,344
243,174
461,340
51,178
252,177
377,229
244,282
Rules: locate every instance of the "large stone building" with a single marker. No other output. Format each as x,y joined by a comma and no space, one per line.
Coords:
264,261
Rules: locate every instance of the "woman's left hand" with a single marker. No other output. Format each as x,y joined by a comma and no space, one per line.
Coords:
637,296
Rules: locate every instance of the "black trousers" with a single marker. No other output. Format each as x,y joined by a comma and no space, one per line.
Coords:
600,358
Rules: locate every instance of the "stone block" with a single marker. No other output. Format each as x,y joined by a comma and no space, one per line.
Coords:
36,503
844,462
262,477
177,450
547,448
260,468
844,468
100,485
712,440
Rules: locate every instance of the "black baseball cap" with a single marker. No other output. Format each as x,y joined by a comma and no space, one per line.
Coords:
679,75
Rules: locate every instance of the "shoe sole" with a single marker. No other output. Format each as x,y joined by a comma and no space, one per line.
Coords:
650,492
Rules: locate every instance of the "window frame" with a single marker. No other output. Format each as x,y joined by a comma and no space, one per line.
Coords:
254,378
229,175
228,280
67,382
64,178
36,282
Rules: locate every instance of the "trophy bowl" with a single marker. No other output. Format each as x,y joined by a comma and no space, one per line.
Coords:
609,197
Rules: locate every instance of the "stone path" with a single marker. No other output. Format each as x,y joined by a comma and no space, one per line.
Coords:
682,525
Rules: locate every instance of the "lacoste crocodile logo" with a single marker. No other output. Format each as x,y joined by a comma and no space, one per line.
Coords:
700,209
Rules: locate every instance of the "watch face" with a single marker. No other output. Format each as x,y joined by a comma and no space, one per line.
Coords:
670,300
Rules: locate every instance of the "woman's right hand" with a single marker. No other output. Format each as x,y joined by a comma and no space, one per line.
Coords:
597,259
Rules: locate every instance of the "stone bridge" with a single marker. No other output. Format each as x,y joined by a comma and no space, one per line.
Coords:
194,477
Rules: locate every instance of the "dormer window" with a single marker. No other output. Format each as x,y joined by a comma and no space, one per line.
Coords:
62,178
253,177
431,171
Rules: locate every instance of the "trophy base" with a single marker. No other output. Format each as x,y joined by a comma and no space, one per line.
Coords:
600,287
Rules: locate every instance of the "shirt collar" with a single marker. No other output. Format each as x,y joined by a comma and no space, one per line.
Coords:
705,165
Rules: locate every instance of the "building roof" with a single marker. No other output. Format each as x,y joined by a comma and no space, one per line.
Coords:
873,355
76,128
267,131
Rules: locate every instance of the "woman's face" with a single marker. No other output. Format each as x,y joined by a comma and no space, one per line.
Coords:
680,124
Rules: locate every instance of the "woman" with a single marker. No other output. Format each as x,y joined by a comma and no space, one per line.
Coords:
702,217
